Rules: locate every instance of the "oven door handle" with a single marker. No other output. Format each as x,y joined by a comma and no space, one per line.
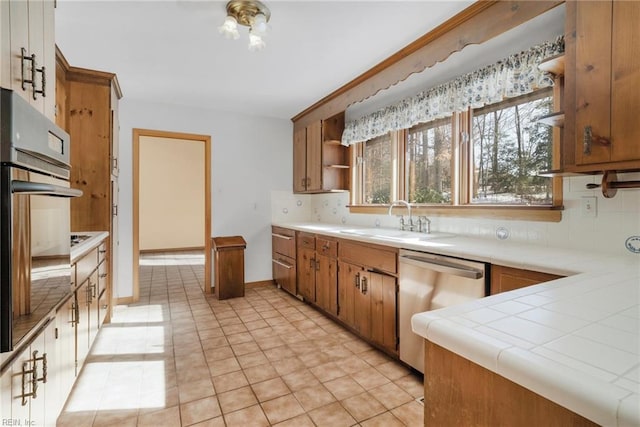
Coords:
38,188
442,266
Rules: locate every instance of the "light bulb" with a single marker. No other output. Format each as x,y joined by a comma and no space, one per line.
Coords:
259,25
255,42
229,28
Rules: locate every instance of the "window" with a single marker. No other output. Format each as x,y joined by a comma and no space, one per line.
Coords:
509,149
486,157
377,170
428,163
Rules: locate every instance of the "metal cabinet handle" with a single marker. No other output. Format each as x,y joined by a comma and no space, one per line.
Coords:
358,280
364,286
281,236
287,266
43,82
73,315
33,381
588,139
23,59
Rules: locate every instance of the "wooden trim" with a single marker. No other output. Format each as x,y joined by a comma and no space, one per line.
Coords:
206,139
259,284
164,250
525,213
125,300
476,24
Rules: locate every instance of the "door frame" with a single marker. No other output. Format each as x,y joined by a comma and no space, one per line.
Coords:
206,139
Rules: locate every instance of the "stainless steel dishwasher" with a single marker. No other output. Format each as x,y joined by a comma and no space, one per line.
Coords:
428,282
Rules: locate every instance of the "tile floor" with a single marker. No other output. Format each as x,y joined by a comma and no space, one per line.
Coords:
180,358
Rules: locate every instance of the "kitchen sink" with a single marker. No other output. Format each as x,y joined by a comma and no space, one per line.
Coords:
395,235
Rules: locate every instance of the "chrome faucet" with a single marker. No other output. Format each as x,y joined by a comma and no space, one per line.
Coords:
404,202
423,220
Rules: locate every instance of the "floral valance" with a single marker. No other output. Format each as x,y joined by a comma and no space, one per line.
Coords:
513,76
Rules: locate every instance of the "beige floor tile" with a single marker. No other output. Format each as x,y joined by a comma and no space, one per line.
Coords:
393,370
230,381
300,379
195,390
282,408
299,421
369,378
288,365
165,417
314,359
411,414
76,419
383,420
234,329
343,387
199,410
245,348
239,338
251,416
210,343
277,353
412,384
224,366
328,371
270,389
252,359
391,396
259,373
353,364
314,397
363,406
332,415
374,357
116,418
234,400
218,353
266,343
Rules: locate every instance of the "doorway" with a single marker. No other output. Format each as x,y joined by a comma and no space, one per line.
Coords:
171,197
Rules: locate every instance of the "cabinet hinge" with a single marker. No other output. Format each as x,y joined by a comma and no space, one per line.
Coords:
56,334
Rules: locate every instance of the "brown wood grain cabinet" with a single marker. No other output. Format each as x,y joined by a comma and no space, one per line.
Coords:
306,266
87,105
320,162
458,393
504,279
283,243
327,275
602,86
228,266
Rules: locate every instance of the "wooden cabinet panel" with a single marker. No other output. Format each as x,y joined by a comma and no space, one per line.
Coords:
314,156
504,279
327,283
326,247
306,271
362,305
300,160
383,292
607,75
284,272
283,241
306,240
348,284
376,257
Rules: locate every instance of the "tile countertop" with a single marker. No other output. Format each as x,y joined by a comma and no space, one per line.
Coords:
575,341
80,249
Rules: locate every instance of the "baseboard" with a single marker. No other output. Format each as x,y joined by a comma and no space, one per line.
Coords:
158,251
259,284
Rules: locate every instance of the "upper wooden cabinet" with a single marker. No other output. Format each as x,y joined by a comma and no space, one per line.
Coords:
27,51
603,97
320,162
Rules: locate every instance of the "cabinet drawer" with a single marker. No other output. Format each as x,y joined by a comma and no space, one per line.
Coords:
326,247
284,272
306,240
283,241
86,265
102,251
103,276
369,256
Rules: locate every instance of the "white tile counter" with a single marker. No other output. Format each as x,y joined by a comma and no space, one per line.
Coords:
574,341
94,239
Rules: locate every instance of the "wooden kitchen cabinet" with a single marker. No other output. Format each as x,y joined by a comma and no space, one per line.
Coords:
27,29
306,261
504,279
320,162
87,103
327,275
348,284
283,243
603,99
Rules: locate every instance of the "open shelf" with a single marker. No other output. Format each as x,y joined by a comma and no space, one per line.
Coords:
553,65
553,119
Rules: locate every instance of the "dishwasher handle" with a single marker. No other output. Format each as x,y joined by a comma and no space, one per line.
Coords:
443,266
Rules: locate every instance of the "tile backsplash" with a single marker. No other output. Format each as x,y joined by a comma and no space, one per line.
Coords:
616,220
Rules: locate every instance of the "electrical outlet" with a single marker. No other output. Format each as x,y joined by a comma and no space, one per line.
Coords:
589,207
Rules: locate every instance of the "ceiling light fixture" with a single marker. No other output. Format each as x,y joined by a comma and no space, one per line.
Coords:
250,13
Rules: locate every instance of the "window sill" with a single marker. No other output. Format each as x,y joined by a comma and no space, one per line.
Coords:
521,213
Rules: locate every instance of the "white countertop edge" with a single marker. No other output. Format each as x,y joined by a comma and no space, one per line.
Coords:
79,250
629,411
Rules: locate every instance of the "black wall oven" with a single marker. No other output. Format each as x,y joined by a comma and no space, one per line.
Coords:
35,268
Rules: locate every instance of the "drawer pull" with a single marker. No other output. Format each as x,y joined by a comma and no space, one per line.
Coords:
281,236
287,266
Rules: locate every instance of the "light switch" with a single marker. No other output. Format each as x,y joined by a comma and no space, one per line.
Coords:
589,207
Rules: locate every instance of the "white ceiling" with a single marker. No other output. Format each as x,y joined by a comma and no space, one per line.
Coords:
169,51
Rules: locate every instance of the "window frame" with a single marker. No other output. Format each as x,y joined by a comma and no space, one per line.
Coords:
461,173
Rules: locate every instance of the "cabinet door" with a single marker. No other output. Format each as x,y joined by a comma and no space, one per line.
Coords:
504,279
348,285
327,284
300,160
92,304
65,320
284,272
5,390
307,273
383,310
49,59
314,156
5,47
625,86
20,411
115,132
19,39
82,325
362,305
36,47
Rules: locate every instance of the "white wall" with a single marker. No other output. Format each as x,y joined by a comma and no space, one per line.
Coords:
171,193
617,218
251,156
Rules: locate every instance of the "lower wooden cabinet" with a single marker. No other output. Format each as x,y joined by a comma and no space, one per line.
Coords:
307,273
504,279
283,259
327,284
